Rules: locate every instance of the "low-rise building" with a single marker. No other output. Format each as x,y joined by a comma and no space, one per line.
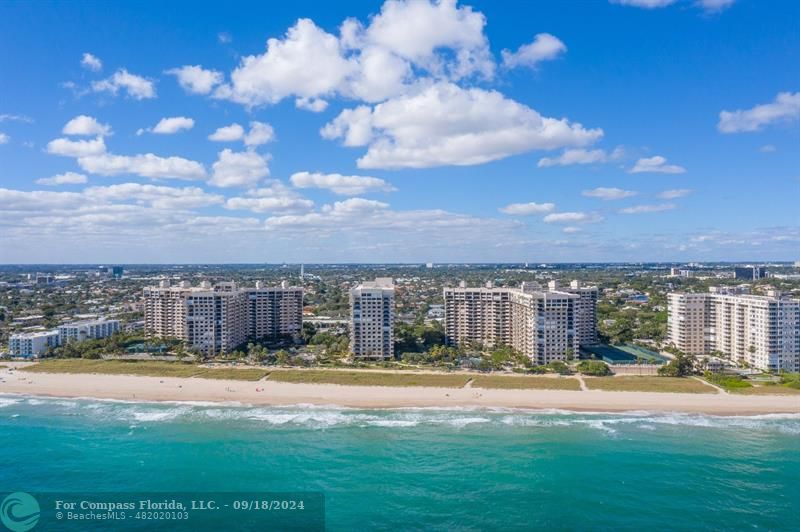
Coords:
79,331
33,344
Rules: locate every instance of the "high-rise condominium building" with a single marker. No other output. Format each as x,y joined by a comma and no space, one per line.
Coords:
372,319
763,331
585,310
274,311
480,315
218,318
545,325
31,345
78,331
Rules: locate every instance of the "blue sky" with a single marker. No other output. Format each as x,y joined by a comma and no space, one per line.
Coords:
631,130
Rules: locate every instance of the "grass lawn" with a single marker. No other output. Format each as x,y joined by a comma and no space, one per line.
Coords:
143,368
368,378
115,367
526,383
648,384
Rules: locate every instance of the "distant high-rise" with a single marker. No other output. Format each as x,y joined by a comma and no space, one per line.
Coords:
372,319
762,331
117,272
750,273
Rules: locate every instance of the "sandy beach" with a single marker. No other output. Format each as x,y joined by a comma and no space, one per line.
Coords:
265,392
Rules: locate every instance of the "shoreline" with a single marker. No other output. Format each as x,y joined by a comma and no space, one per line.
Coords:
272,393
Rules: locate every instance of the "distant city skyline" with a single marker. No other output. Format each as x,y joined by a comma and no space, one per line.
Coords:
404,132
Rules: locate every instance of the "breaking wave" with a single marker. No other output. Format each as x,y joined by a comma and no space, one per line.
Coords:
331,417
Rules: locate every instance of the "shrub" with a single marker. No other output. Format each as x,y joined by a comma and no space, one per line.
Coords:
594,368
681,366
558,367
791,380
729,382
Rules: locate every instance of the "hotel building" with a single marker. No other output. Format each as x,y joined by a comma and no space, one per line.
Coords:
372,319
218,318
79,331
545,325
762,331
32,345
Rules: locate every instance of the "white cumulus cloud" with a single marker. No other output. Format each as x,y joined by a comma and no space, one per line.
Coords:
260,133
86,125
315,105
646,4
238,169
408,39
275,198
307,63
76,148
159,197
170,126
644,209
572,218
136,87
713,6
91,62
656,164
447,125
345,185
608,193
145,165
581,156
545,47
785,108
527,209
229,133
418,31
196,79
674,193
67,178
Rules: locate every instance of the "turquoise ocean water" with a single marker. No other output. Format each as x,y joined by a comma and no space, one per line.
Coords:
473,469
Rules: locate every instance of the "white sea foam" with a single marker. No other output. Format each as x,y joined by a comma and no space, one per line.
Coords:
156,416
4,402
329,416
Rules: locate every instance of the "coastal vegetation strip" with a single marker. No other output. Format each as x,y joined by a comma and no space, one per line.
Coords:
144,368
238,374
369,378
769,389
785,384
648,384
526,383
